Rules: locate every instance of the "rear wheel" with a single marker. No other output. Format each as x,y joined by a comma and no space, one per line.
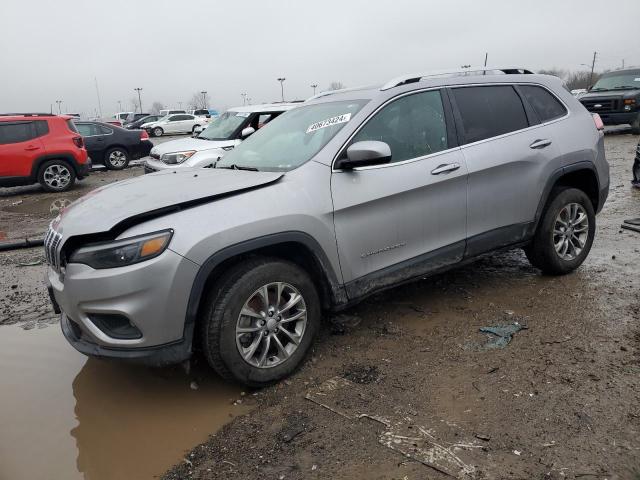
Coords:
56,176
116,158
259,321
157,132
565,232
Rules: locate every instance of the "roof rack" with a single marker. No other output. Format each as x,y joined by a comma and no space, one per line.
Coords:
342,90
27,114
416,77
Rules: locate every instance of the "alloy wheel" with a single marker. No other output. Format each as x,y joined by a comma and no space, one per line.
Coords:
571,231
57,176
117,158
271,325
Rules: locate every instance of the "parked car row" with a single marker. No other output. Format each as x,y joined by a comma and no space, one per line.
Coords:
220,136
349,193
56,150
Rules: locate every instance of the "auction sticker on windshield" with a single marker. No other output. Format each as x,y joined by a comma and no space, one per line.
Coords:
329,122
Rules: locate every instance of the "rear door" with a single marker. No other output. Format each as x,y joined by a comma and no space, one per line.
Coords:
405,218
19,146
506,151
94,141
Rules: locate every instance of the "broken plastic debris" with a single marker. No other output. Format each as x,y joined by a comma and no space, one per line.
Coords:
501,334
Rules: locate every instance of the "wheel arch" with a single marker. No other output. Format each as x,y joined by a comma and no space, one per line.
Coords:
297,247
41,160
581,175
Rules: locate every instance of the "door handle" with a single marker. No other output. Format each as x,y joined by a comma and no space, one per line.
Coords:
31,148
445,168
540,143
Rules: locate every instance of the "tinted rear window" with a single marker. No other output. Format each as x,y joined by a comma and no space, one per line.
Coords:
16,132
545,104
72,126
42,127
489,111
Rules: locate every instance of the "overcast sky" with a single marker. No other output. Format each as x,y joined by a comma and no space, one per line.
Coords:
53,49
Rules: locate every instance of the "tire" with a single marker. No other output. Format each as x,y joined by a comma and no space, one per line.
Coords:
56,176
240,287
193,130
542,252
157,132
635,125
116,158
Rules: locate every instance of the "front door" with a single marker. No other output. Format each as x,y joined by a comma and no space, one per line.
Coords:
408,217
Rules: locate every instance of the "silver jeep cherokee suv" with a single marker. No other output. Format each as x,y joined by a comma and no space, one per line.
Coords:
352,192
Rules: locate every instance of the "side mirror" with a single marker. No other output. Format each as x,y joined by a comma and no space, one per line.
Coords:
247,131
364,154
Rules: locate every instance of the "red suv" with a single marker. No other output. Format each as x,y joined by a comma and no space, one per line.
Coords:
41,148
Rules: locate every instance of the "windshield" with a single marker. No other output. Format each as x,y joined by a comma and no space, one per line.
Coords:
618,82
293,138
223,127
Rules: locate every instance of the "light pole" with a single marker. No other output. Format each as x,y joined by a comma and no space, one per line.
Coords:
59,102
180,105
281,80
204,98
139,98
244,98
314,86
119,105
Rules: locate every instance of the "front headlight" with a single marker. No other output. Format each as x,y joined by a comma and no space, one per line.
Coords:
176,157
123,252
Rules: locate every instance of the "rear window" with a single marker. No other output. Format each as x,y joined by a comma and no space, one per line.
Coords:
545,104
16,132
42,127
489,111
72,126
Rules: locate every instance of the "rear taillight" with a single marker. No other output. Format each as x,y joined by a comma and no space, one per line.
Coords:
598,121
144,135
78,141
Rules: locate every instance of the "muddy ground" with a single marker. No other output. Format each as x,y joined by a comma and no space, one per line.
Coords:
409,369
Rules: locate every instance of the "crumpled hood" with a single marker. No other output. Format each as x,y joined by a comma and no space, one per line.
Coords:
121,202
190,143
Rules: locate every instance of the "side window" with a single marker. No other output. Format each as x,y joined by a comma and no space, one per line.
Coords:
85,129
102,130
17,132
546,105
42,127
183,117
413,126
489,111
174,118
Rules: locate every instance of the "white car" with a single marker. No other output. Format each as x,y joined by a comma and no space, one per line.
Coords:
172,124
222,135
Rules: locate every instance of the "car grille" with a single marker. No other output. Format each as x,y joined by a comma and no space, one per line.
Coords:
52,243
602,105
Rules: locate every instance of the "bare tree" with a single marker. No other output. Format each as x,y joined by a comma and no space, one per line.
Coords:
581,79
336,86
198,100
156,107
133,102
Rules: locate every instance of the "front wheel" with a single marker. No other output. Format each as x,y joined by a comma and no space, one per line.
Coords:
259,321
565,232
157,132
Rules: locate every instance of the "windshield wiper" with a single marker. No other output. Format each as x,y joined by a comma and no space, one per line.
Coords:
625,87
233,166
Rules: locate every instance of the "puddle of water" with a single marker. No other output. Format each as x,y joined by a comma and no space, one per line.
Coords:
65,416
42,206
